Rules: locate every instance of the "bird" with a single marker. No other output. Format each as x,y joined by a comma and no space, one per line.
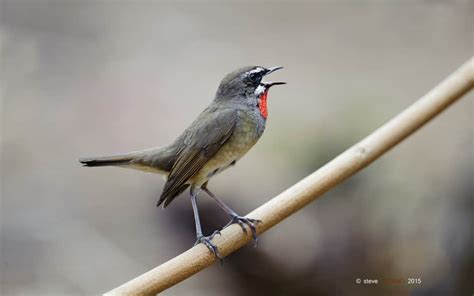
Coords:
219,137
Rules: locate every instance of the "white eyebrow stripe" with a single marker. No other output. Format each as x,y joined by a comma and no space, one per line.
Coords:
256,70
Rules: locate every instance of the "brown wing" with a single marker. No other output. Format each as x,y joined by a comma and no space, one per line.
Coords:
201,142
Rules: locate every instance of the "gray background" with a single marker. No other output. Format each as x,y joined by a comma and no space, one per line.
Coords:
92,78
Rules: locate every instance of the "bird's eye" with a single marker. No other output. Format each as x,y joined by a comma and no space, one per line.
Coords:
254,77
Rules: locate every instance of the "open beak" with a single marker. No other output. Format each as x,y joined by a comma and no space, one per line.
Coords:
270,84
273,69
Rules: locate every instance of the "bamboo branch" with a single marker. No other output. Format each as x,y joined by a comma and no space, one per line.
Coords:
313,186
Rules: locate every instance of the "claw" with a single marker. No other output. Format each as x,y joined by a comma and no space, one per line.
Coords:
242,221
216,232
207,241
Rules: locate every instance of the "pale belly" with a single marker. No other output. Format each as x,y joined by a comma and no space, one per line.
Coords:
245,135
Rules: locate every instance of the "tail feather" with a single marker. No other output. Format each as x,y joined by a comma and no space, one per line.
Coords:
155,160
106,160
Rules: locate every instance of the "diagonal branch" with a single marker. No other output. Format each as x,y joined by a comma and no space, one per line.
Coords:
313,186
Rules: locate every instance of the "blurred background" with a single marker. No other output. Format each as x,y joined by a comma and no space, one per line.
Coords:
93,78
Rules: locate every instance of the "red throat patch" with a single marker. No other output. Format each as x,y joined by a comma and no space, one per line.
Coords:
262,104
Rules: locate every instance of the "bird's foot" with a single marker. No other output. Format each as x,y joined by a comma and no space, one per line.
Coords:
207,241
251,223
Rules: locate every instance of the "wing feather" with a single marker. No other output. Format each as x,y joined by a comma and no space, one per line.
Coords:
202,140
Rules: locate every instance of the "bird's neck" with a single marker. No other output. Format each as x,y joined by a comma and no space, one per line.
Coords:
255,101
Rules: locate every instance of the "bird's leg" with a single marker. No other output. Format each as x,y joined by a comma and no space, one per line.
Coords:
242,221
200,238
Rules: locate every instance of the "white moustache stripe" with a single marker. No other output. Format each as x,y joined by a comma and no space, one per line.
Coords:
260,90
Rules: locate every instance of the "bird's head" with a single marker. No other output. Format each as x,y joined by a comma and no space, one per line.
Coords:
245,83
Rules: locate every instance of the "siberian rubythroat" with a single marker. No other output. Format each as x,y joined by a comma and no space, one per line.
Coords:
216,140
